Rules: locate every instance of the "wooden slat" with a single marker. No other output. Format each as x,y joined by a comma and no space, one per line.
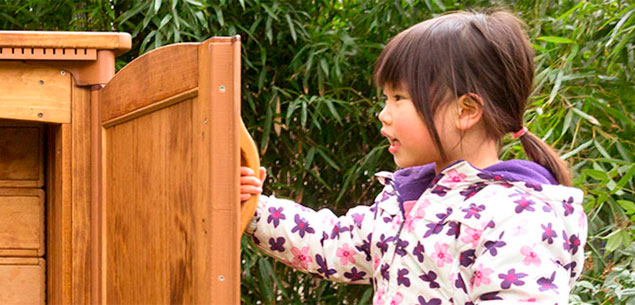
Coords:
34,93
22,154
21,222
155,76
47,54
118,42
22,281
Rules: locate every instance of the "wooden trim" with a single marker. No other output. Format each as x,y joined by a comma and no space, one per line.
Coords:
135,82
118,42
167,102
30,53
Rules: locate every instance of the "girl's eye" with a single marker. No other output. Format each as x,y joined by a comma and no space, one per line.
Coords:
398,97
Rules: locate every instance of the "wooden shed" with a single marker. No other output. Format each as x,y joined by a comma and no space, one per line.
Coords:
120,188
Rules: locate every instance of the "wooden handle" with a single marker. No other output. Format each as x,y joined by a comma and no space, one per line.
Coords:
248,157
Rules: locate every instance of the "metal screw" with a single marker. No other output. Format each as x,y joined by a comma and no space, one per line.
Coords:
222,88
39,115
221,278
41,82
63,73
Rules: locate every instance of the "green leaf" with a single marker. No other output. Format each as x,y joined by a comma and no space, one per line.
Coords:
614,240
588,117
328,160
596,174
554,39
627,205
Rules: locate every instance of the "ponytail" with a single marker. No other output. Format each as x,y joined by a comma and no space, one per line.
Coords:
544,155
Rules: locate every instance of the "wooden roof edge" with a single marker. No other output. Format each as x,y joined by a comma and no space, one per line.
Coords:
117,41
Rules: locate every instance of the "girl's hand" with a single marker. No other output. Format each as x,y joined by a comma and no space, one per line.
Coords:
249,184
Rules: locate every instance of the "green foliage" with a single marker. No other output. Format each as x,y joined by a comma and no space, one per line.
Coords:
309,100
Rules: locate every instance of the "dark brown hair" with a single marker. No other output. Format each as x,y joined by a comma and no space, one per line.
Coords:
489,55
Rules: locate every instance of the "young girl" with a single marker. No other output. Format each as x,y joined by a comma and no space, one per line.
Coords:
455,225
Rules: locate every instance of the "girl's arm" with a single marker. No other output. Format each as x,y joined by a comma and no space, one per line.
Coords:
317,242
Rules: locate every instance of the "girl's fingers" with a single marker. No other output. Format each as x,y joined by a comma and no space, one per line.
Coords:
250,189
244,197
246,171
250,180
263,174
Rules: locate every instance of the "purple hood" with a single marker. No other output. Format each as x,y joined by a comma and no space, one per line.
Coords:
412,181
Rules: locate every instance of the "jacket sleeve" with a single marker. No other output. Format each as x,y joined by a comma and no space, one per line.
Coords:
527,257
317,242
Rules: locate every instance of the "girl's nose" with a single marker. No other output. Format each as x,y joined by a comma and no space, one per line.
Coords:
385,117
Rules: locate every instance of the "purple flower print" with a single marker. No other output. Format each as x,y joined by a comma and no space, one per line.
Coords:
402,279
574,243
549,234
365,247
454,230
432,301
490,296
547,283
459,283
568,207
523,204
536,186
275,215
255,239
472,190
387,219
324,237
473,210
418,252
430,278
302,226
440,190
354,275
565,245
511,278
490,246
337,229
277,244
324,268
467,257
433,228
401,247
382,244
570,266
547,207
384,271
358,219
443,216
494,177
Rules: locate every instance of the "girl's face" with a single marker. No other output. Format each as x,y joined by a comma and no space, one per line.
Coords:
410,142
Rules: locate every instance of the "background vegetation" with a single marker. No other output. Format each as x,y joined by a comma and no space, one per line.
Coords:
309,101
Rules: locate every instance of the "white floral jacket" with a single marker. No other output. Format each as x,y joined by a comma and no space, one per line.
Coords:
470,238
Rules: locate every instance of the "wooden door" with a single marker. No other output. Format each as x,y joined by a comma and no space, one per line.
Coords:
167,197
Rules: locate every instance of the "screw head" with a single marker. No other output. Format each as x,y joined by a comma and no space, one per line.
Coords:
41,82
39,115
221,278
222,88
63,73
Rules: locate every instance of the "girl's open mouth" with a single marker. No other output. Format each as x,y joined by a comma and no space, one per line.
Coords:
394,142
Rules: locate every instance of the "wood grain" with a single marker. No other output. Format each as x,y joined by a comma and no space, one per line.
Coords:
119,42
34,93
22,281
21,222
173,67
21,154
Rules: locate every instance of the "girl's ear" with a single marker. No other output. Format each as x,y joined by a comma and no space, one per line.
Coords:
470,111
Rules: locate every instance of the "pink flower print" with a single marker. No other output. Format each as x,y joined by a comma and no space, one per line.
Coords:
376,262
408,205
301,258
397,299
453,177
472,236
379,297
441,254
582,221
481,276
531,257
511,278
345,254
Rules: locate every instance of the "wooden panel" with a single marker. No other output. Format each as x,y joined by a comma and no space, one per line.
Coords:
153,77
118,42
150,229
22,281
34,93
21,222
21,154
